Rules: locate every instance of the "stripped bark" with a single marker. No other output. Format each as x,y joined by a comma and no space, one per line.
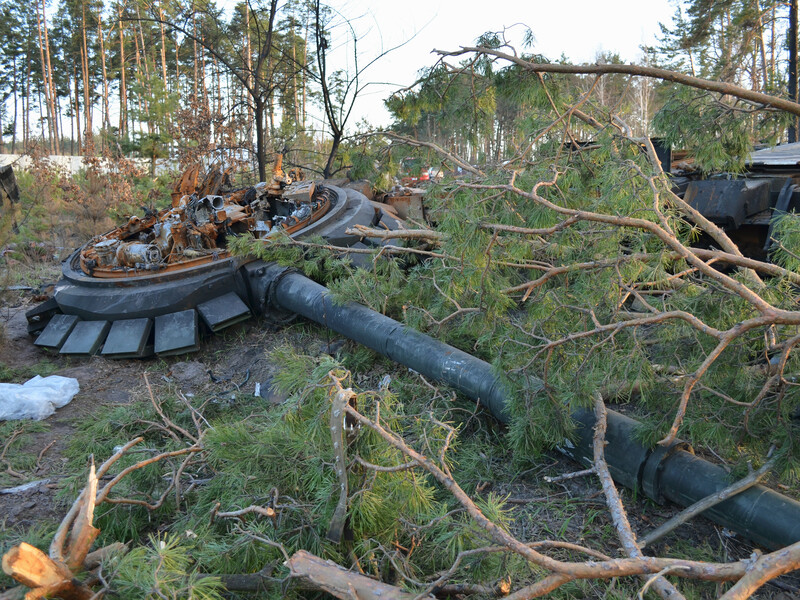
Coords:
337,581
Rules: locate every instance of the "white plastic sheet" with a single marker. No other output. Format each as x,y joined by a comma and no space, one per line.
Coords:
37,398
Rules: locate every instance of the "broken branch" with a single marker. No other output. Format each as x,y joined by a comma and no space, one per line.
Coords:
706,503
330,577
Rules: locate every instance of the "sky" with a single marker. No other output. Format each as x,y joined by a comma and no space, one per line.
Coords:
579,29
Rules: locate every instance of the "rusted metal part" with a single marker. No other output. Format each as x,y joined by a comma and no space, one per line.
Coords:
186,185
9,190
407,201
194,230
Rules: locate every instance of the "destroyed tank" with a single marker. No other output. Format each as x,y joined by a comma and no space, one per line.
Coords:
745,205
156,283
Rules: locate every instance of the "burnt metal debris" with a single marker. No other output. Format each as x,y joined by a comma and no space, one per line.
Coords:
161,278
151,285
746,205
9,192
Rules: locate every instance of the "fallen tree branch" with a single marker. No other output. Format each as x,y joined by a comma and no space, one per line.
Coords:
9,469
568,476
337,581
435,147
238,514
398,234
20,489
340,398
765,568
719,87
663,588
562,571
54,575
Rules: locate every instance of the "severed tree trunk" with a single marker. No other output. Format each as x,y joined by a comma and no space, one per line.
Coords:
54,575
337,581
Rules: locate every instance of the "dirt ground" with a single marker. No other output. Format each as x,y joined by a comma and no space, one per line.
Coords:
235,360
233,363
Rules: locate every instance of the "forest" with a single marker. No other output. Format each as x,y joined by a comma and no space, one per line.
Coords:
161,80
556,249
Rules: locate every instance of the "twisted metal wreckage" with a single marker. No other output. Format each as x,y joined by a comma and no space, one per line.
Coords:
152,284
140,289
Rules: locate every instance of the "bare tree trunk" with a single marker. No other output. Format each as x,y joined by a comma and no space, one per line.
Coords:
217,104
26,108
294,79
772,47
71,120
123,91
271,115
762,47
138,72
163,45
50,85
177,67
87,100
143,46
39,96
106,112
260,141
143,102
59,123
305,68
77,110
203,79
45,79
194,41
249,64
14,131
262,93
270,107
792,39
